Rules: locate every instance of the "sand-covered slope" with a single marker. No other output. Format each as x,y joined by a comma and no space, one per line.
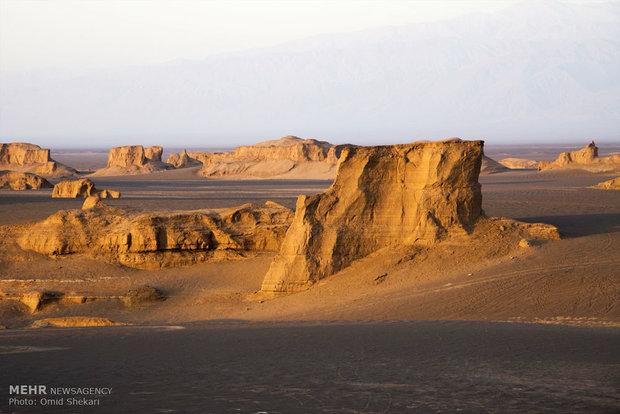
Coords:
490,166
586,158
14,180
387,196
24,157
133,159
287,157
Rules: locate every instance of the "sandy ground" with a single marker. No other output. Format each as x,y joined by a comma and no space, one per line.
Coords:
348,344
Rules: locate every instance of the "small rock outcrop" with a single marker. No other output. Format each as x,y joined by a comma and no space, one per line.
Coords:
109,194
12,180
92,202
183,160
519,163
382,196
132,160
24,157
613,184
74,322
490,166
143,295
74,189
159,239
287,157
586,158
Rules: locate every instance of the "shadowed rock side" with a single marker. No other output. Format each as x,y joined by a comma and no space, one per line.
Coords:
132,160
613,184
382,196
585,159
23,157
490,166
13,180
158,239
519,163
287,157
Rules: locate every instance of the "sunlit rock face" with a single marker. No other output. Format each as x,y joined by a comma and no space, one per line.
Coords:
74,189
158,239
386,195
24,157
133,159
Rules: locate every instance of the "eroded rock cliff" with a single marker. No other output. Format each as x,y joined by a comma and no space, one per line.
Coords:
133,159
24,157
386,197
183,160
586,158
158,239
13,180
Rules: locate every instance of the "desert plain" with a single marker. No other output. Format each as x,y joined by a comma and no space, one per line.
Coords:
484,310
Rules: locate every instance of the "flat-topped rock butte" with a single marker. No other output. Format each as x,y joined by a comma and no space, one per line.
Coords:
133,159
23,157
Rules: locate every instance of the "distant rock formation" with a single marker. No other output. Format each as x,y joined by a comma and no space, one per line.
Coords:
13,180
387,195
585,159
490,166
159,239
132,160
24,157
519,163
74,189
287,157
613,184
183,160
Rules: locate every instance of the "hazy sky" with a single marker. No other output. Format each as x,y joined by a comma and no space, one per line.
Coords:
92,33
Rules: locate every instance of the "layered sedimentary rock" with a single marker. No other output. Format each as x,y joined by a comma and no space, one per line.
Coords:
74,189
382,196
613,184
287,157
586,158
183,160
519,163
13,180
490,166
133,159
159,239
24,157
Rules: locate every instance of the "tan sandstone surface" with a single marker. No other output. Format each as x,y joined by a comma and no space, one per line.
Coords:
133,159
613,184
287,157
158,239
13,180
74,189
586,158
399,195
24,157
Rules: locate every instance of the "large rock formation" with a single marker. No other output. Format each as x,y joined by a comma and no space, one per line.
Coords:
158,239
23,157
613,184
287,157
183,160
586,158
382,196
133,159
490,166
13,180
74,189
519,163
